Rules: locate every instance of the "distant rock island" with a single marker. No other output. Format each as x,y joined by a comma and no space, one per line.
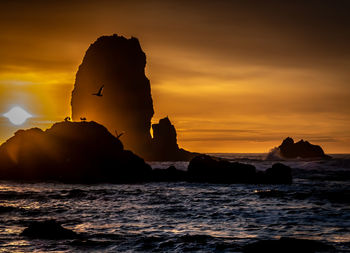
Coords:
115,66
70,152
301,149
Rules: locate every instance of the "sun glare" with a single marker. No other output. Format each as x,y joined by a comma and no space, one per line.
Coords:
17,115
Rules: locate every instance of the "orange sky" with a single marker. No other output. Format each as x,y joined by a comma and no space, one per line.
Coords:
233,76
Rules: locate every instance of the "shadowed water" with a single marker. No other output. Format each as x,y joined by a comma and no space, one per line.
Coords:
183,216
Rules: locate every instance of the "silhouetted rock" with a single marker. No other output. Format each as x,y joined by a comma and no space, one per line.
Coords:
86,152
204,168
164,144
301,149
70,152
117,65
278,174
170,174
126,104
6,209
49,229
288,245
271,194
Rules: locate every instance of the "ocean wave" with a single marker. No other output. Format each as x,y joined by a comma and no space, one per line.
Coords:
178,217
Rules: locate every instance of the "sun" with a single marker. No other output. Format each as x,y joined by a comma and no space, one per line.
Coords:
17,115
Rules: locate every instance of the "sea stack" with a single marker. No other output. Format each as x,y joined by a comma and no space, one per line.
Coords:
164,143
112,89
301,149
117,64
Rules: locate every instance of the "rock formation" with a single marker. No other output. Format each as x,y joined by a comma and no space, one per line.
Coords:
288,245
70,152
117,64
164,143
164,135
48,229
170,174
111,88
204,168
277,174
301,149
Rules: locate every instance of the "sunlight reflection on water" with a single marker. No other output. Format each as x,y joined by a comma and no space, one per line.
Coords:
176,216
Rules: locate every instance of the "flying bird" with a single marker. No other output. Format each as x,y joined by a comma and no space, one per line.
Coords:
99,93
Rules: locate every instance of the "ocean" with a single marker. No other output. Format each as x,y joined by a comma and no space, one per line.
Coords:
178,217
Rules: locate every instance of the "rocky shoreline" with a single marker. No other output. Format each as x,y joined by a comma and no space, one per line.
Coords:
85,152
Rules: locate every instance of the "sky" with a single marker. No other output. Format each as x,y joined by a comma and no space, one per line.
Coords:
233,76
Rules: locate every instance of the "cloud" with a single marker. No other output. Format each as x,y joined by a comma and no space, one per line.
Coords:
273,66
215,130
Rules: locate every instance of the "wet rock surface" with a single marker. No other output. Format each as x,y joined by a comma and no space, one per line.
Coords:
170,174
49,229
288,245
204,168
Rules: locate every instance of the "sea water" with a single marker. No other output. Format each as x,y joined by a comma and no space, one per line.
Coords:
178,217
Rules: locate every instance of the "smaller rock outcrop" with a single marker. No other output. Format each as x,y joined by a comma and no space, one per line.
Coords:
301,149
164,144
288,245
49,229
204,168
278,174
170,174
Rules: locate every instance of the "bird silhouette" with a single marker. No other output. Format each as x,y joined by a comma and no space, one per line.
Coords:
99,93
82,118
118,135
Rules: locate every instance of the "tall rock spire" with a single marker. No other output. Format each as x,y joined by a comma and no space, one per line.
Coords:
118,65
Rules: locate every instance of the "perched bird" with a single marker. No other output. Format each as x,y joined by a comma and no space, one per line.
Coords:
118,135
99,93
